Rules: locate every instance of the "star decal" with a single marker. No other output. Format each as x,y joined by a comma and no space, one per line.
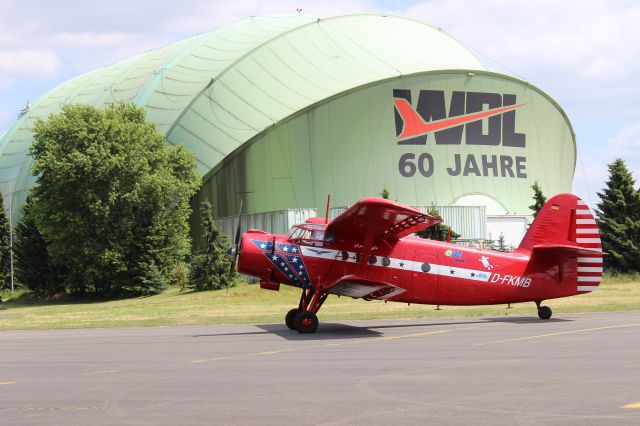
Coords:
473,274
402,264
452,271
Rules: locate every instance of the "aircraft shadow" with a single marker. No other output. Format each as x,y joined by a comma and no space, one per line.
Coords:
325,331
334,330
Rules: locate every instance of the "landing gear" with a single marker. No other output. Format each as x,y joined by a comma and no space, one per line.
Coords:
290,319
544,312
304,318
306,322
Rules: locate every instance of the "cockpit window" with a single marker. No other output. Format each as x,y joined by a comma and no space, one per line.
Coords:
308,234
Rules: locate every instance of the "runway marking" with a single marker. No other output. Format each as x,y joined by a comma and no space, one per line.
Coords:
6,383
540,336
327,345
8,409
105,372
634,405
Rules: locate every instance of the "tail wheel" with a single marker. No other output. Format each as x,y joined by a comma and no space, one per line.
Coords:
544,312
306,322
290,319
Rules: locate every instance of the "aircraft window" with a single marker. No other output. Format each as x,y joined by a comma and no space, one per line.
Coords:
296,233
386,261
308,234
426,267
317,234
372,259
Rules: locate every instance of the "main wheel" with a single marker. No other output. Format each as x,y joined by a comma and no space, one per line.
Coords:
290,318
306,322
544,312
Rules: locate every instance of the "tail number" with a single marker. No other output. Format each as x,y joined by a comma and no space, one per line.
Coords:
513,280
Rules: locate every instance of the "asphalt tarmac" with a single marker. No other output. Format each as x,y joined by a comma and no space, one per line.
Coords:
573,369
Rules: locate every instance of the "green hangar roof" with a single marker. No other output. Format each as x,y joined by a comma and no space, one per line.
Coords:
215,91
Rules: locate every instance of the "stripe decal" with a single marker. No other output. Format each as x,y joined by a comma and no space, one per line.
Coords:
590,260
593,231
587,279
588,240
585,221
589,269
400,264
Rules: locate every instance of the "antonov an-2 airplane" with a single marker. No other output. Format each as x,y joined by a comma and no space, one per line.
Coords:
368,252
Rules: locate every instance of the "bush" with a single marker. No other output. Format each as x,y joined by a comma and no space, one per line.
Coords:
180,275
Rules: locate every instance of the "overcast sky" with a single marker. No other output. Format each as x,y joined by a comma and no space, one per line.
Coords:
584,53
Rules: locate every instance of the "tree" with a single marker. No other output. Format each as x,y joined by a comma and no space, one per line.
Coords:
439,231
619,219
385,193
501,245
112,200
33,266
210,266
489,243
538,198
5,250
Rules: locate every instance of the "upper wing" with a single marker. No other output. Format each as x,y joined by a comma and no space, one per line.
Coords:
384,219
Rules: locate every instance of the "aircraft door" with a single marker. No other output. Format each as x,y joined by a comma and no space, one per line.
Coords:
425,278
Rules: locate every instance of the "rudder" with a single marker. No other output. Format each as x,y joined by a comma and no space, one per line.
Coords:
566,222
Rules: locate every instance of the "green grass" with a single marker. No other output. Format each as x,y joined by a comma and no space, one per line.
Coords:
249,304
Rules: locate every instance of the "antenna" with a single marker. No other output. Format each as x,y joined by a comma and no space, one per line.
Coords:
326,215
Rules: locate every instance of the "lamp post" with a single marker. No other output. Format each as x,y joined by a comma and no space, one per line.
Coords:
11,236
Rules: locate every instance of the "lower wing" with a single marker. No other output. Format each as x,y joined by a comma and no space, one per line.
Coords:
362,288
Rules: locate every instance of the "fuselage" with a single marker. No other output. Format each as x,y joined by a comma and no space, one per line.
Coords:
429,272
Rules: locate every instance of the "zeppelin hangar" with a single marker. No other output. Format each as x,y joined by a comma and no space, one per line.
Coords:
281,111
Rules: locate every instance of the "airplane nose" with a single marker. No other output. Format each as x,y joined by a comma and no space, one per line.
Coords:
253,259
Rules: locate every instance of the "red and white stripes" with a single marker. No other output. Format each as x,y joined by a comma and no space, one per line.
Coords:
588,236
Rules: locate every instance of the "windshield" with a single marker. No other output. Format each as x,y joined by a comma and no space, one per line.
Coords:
307,233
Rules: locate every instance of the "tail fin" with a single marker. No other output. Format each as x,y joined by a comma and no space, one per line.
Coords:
566,227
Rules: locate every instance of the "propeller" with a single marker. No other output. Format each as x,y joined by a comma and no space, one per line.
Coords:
235,249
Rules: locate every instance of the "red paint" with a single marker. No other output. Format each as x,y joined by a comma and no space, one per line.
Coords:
367,253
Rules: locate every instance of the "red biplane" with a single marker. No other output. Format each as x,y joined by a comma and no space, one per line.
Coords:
368,252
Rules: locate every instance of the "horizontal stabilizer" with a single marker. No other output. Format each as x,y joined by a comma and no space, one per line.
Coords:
560,249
